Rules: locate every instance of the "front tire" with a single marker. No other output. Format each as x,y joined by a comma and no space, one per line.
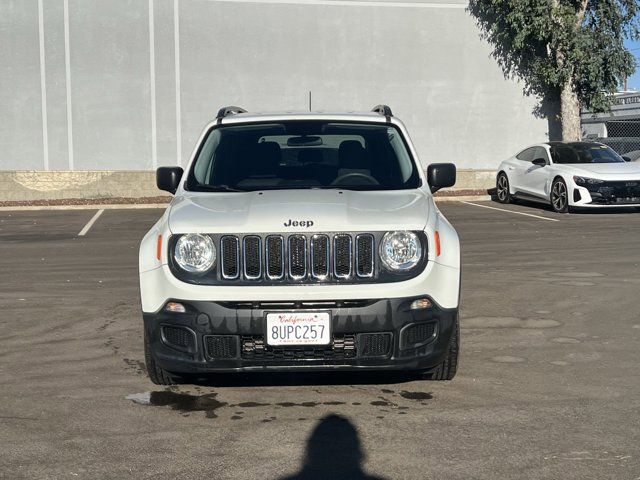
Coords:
559,196
157,374
502,188
449,366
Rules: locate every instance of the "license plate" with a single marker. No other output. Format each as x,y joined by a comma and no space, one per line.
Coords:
298,328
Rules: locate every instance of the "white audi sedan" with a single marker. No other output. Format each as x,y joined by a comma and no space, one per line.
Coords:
569,175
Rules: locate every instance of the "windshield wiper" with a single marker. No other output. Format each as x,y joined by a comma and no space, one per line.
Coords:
219,188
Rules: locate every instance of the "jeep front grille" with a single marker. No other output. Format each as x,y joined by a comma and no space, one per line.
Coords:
297,257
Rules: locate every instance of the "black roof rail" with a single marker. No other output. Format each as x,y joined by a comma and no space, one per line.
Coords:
230,110
383,110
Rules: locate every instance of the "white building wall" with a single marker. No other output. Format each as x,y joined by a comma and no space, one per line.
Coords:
423,58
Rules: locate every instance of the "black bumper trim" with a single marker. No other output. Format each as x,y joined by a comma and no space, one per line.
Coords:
376,316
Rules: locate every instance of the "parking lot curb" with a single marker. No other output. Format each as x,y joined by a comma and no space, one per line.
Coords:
95,206
463,198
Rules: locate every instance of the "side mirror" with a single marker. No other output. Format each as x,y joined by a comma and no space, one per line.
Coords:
540,162
626,159
441,175
168,178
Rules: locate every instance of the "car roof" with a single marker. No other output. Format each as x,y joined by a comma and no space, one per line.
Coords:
575,144
303,115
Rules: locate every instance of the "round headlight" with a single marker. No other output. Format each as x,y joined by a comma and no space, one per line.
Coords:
195,253
400,250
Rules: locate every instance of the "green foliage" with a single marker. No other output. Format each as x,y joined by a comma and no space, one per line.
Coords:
547,43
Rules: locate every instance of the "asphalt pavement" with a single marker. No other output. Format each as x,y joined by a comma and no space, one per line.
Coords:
548,384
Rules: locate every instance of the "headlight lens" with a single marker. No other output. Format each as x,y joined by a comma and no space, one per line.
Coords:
587,181
400,250
195,253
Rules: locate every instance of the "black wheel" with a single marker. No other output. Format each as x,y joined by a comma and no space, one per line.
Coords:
449,366
157,375
502,188
559,196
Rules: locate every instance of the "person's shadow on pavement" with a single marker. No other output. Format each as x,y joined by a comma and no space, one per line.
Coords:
334,451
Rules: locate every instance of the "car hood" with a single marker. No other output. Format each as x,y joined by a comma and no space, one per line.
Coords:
278,210
612,171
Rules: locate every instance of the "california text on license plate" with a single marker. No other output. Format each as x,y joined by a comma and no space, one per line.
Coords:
298,328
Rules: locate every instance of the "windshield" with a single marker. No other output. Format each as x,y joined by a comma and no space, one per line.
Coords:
303,154
584,153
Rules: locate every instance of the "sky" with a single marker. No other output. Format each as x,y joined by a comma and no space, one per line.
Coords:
633,82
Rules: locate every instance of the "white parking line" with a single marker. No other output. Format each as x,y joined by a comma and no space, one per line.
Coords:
511,211
90,223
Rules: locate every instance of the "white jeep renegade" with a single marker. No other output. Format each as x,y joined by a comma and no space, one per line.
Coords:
301,241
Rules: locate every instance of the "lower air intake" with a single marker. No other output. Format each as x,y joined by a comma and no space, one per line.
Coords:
418,333
375,344
178,337
221,346
342,346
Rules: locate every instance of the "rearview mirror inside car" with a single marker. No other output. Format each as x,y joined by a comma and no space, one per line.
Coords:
540,161
304,141
168,178
441,175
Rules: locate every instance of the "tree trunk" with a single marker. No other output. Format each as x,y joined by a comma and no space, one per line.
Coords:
550,109
570,113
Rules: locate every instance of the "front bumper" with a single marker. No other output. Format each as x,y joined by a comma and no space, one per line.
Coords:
607,194
379,334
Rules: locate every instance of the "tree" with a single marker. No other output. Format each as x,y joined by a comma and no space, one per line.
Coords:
568,53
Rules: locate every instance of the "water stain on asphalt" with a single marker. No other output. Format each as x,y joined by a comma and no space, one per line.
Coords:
208,403
416,395
253,404
182,402
135,365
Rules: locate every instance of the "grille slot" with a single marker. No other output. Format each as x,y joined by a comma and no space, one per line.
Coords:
342,256
178,337
297,256
221,346
252,257
364,255
320,256
275,257
375,344
230,257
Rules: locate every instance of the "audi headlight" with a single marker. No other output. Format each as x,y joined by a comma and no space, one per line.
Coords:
400,250
195,253
587,181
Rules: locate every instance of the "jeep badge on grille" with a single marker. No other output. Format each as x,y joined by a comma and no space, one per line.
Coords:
298,223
